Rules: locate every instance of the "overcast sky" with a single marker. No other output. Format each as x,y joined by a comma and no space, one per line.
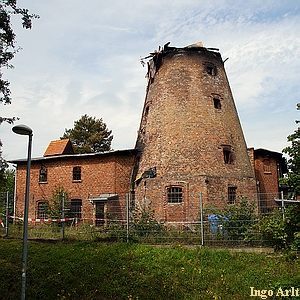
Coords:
83,57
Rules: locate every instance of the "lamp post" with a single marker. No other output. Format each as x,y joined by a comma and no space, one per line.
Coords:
25,130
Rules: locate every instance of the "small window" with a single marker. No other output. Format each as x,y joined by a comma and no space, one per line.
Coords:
147,111
174,194
77,173
43,208
227,155
231,194
211,69
43,174
217,103
76,208
267,166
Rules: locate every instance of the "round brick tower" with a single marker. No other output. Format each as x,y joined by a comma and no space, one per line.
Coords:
190,140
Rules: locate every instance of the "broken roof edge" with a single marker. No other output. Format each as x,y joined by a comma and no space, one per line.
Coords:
167,49
78,155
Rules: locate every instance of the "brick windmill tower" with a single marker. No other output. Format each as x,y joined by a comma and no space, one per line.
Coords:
190,140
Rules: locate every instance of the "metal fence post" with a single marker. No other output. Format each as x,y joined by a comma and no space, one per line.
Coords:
127,218
201,220
63,216
282,204
7,212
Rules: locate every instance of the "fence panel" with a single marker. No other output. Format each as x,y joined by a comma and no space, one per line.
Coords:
196,219
6,212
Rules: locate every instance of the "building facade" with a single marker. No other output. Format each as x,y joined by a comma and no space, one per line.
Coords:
269,166
94,185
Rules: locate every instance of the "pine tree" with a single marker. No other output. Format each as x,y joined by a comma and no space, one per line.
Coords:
89,135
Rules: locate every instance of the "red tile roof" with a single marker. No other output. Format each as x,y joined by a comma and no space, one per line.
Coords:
59,147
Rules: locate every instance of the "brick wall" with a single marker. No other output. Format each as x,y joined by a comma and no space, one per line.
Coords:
100,174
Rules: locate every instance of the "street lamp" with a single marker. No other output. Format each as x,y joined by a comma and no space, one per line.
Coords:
25,130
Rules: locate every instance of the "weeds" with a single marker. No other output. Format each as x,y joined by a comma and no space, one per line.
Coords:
91,270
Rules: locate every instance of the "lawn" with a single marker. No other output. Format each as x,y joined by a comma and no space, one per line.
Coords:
93,270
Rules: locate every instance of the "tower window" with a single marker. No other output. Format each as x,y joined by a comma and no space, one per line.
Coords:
77,173
217,103
227,154
211,69
147,110
174,194
231,194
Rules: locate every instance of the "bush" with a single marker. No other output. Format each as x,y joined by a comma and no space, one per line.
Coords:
237,218
282,233
144,223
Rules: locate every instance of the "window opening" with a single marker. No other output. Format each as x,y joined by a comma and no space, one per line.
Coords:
42,210
147,110
75,209
217,103
43,174
174,194
77,173
267,166
231,194
227,155
211,69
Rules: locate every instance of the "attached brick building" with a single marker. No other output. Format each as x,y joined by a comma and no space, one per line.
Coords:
95,183
269,166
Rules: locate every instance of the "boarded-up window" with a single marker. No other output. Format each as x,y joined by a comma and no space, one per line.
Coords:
267,166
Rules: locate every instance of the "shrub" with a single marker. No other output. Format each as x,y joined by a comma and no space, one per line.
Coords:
282,233
144,222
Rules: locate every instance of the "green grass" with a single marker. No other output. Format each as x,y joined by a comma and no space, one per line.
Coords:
91,270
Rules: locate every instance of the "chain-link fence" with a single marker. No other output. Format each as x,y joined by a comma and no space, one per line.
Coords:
6,212
195,219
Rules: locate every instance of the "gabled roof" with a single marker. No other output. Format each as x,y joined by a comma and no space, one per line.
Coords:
59,147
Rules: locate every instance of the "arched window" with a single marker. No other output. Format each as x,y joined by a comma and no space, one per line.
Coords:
77,173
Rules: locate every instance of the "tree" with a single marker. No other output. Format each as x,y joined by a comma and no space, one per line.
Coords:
89,135
293,161
8,44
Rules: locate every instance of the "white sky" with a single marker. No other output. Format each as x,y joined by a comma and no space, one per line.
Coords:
83,57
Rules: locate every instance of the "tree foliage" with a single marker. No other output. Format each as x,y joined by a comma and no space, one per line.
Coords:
55,205
8,47
89,135
293,161
282,233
